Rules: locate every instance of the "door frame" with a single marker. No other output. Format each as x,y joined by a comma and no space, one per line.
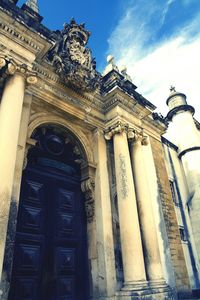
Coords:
88,170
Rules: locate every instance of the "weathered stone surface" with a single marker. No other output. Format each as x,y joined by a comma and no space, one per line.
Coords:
176,250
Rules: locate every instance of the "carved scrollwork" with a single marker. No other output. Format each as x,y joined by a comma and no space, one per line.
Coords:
30,143
71,58
87,188
119,127
2,62
9,67
137,137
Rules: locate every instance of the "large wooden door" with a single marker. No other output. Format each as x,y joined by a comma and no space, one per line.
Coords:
50,260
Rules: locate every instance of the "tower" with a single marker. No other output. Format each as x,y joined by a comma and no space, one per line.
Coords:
186,136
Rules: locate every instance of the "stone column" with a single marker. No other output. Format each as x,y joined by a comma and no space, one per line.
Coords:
10,117
146,215
103,216
132,253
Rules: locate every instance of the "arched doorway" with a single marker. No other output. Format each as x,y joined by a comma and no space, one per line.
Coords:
50,258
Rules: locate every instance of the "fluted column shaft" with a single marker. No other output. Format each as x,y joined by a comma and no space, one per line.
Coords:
132,253
150,242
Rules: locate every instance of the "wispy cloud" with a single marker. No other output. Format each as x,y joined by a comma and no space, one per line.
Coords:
156,54
165,10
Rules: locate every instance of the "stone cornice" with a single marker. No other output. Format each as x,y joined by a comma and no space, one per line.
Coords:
11,32
23,35
51,77
65,104
154,125
24,18
117,97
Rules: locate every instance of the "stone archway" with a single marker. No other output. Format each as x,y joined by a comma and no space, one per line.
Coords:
50,139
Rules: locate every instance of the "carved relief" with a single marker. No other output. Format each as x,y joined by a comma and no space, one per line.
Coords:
124,186
119,127
87,188
30,143
71,58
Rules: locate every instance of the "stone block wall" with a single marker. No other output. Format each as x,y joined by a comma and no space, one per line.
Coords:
176,250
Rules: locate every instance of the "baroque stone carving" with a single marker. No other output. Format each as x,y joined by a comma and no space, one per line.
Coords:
87,188
2,62
119,127
9,67
30,143
137,136
71,58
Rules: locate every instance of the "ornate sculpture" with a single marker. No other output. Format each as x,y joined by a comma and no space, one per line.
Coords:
9,67
137,136
71,58
119,127
87,188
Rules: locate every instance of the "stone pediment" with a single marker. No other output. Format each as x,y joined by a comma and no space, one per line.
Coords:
72,60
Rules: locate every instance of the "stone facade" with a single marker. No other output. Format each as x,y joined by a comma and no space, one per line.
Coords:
54,101
176,250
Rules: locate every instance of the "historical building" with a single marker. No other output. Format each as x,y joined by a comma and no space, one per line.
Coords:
97,201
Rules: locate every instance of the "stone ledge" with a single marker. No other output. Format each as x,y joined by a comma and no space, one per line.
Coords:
165,293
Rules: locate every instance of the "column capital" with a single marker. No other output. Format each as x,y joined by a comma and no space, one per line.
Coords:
10,67
138,137
117,128
88,187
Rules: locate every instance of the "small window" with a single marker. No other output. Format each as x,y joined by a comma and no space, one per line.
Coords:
182,234
174,192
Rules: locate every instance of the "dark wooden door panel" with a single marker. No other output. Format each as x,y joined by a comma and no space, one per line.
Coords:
49,251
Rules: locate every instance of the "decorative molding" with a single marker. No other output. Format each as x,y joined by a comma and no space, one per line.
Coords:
85,97
16,34
65,96
179,109
88,187
39,119
188,150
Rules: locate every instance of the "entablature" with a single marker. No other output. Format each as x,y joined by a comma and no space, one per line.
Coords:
20,42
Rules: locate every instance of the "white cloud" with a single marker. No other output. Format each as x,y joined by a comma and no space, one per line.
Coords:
154,68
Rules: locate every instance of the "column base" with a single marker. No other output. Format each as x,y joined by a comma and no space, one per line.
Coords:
152,290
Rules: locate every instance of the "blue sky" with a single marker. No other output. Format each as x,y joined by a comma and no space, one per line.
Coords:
158,40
